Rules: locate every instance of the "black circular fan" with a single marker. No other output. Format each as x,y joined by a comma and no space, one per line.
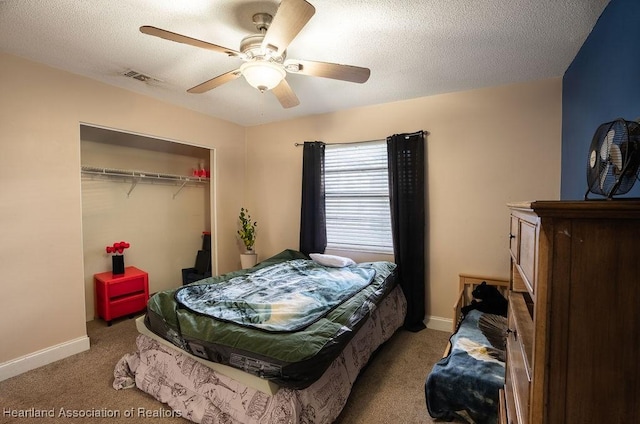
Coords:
614,158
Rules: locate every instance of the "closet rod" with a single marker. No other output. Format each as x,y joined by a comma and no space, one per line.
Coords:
112,172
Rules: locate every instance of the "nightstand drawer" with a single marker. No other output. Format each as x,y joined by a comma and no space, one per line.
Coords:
128,305
126,287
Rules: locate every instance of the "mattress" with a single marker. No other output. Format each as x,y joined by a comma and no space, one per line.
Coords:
247,379
203,393
290,354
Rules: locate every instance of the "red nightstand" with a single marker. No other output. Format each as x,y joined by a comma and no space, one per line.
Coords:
120,295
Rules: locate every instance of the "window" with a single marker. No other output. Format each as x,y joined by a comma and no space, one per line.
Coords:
357,197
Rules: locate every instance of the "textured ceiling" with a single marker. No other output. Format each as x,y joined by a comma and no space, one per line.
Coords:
414,48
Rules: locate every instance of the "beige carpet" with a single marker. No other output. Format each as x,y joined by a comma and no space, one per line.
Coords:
389,390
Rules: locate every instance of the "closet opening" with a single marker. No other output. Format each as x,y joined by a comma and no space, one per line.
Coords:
157,195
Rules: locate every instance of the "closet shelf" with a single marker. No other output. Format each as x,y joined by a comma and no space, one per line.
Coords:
135,176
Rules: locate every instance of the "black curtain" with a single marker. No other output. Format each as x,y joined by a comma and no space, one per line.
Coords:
313,225
406,156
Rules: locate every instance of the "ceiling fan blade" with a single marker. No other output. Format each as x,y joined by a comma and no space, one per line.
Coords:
329,70
178,38
285,95
215,82
291,17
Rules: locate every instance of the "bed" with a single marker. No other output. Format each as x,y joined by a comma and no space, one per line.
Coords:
464,385
258,367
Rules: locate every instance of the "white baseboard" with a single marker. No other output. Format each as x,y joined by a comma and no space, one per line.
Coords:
43,357
439,323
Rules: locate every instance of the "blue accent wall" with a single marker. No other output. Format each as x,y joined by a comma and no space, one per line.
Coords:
601,84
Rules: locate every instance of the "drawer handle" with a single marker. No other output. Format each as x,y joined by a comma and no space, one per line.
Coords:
515,333
511,236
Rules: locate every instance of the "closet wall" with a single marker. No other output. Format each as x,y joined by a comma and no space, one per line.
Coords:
162,222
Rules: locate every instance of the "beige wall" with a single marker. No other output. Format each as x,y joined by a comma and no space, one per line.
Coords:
486,147
41,257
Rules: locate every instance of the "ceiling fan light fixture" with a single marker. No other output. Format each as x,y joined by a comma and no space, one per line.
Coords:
263,75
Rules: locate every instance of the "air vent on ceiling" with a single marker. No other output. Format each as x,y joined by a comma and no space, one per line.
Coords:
139,76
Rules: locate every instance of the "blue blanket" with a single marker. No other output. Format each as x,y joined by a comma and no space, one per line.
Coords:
465,384
280,298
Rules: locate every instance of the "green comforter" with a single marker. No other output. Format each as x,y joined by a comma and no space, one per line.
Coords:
283,297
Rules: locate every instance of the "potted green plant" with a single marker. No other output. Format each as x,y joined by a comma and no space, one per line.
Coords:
247,233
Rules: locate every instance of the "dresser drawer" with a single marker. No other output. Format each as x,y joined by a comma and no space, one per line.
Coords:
514,228
507,404
523,246
527,254
519,357
503,414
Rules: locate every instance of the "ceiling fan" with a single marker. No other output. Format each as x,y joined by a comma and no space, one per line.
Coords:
265,65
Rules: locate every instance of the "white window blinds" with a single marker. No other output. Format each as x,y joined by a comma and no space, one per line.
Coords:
357,197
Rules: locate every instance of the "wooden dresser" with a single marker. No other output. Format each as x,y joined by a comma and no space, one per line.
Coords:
573,345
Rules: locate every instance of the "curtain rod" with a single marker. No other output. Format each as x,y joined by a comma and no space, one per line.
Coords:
349,142
369,141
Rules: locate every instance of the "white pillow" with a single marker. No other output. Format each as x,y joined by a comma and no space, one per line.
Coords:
331,260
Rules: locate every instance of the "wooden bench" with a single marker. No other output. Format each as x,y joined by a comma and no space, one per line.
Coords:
468,379
466,286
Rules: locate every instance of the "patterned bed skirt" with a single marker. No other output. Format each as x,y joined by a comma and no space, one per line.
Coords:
202,395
